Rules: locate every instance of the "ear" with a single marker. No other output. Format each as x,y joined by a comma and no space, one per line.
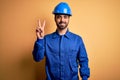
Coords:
55,18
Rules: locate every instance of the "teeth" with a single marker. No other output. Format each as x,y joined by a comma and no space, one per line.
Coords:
62,23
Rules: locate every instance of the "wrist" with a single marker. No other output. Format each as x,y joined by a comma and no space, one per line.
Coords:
40,40
40,37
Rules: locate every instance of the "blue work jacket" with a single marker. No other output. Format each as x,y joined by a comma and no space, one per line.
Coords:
63,55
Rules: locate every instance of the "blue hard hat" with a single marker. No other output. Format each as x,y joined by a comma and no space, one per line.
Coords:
62,8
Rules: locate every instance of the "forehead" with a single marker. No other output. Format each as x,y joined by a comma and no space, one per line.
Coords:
61,15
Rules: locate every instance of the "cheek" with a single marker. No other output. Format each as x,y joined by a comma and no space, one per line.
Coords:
67,21
57,21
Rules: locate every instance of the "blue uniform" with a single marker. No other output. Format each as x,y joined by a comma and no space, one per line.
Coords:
63,55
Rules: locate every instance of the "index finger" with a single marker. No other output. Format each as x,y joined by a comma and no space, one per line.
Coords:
44,24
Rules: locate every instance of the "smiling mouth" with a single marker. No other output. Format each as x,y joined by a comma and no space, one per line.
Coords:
62,23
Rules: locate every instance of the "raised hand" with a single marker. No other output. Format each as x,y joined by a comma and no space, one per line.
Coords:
40,30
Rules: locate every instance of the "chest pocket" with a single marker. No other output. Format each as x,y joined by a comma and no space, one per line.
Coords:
73,51
53,49
73,54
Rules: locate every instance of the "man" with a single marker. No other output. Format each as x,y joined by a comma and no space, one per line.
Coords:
64,50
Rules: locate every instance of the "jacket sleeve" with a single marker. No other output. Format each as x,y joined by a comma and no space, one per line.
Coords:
83,62
39,50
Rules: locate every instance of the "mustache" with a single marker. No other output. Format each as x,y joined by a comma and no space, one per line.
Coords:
62,22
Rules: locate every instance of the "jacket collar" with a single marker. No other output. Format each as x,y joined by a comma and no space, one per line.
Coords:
56,34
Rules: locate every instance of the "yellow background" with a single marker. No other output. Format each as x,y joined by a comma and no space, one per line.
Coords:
97,21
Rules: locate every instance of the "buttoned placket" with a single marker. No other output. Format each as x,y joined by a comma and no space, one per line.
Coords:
61,58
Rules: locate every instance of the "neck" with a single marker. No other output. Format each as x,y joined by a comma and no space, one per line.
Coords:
62,32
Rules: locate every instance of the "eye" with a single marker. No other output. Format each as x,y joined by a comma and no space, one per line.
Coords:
65,16
58,16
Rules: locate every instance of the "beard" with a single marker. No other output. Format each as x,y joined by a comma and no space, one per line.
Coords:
62,25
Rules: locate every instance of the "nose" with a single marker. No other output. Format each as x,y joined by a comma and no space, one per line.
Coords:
62,19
